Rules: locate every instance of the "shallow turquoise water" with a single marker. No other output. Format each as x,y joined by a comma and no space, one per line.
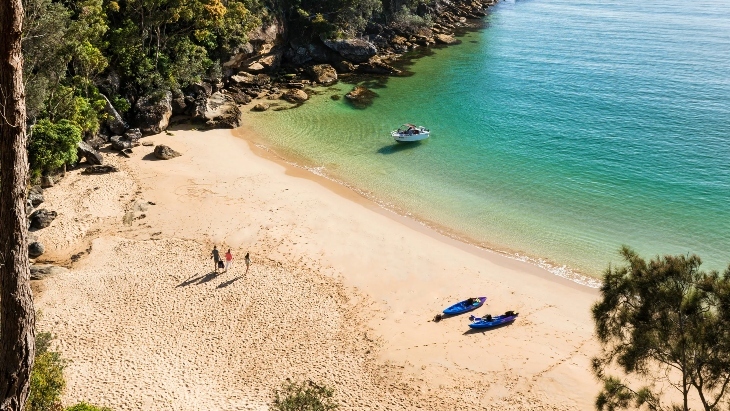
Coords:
562,131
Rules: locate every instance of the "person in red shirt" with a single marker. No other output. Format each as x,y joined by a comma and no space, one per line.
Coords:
229,259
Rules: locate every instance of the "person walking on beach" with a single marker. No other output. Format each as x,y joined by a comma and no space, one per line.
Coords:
247,259
229,259
216,257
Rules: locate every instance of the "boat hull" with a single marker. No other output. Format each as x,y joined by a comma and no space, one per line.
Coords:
460,307
496,321
409,138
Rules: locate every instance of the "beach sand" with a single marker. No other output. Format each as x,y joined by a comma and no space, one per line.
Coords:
340,292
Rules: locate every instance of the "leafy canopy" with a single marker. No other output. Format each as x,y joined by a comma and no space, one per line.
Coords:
663,321
52,145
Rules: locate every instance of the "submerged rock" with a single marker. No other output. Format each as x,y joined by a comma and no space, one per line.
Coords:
361,96
260,107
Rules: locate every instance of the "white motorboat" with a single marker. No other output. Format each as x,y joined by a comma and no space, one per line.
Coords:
409,132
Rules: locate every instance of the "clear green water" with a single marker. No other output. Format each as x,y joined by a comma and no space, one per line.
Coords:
562,131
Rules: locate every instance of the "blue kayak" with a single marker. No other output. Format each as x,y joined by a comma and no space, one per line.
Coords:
490,322
465,306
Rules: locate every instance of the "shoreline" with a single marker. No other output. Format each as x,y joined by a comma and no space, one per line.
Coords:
296,166
142,312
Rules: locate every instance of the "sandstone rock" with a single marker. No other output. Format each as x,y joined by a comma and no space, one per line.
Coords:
295,96
179,105
376,66
42,218
47,181
42,271
361,96
260,107
35,249
446,39
102,169
230,117
153,113
323,74
355,50
113,121
255,67
164,152
92,156
344,66
35,196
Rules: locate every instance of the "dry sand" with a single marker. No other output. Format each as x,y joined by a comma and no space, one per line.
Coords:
340,292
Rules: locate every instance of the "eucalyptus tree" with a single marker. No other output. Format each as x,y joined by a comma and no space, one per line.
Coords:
17,318
666,323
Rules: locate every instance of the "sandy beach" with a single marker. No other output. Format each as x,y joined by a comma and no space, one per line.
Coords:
340,292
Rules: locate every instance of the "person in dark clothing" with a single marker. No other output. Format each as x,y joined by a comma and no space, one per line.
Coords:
215,255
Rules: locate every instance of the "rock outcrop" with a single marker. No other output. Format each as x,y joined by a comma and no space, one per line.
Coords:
87,152
295,96
354,50
153,113
323,74
102,169
35,249
163,152
35,196
42,218
43,271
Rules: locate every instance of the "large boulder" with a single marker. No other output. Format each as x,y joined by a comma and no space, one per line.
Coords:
85,150
35,196
113,120
164,152
35,249
261,107
376,66
361,96
323,74
120,143
102,169
446,39
355,50
295,96
222,111
153,113
42,218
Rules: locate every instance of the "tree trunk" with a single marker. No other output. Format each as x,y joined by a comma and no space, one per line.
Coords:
17,318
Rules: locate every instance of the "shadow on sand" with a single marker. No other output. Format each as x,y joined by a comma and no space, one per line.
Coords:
229,282
199,279
398,147
484,330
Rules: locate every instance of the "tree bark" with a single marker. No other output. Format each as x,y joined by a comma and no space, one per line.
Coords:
17,317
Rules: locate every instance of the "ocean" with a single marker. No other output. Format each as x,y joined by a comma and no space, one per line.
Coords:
560,132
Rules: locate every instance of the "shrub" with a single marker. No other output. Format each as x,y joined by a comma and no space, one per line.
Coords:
82,406
46,377
406,20
52,145
303,396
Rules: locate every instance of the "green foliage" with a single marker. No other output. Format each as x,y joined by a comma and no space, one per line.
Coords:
82,406
303,396
52,145
409,21
46,377
663,321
